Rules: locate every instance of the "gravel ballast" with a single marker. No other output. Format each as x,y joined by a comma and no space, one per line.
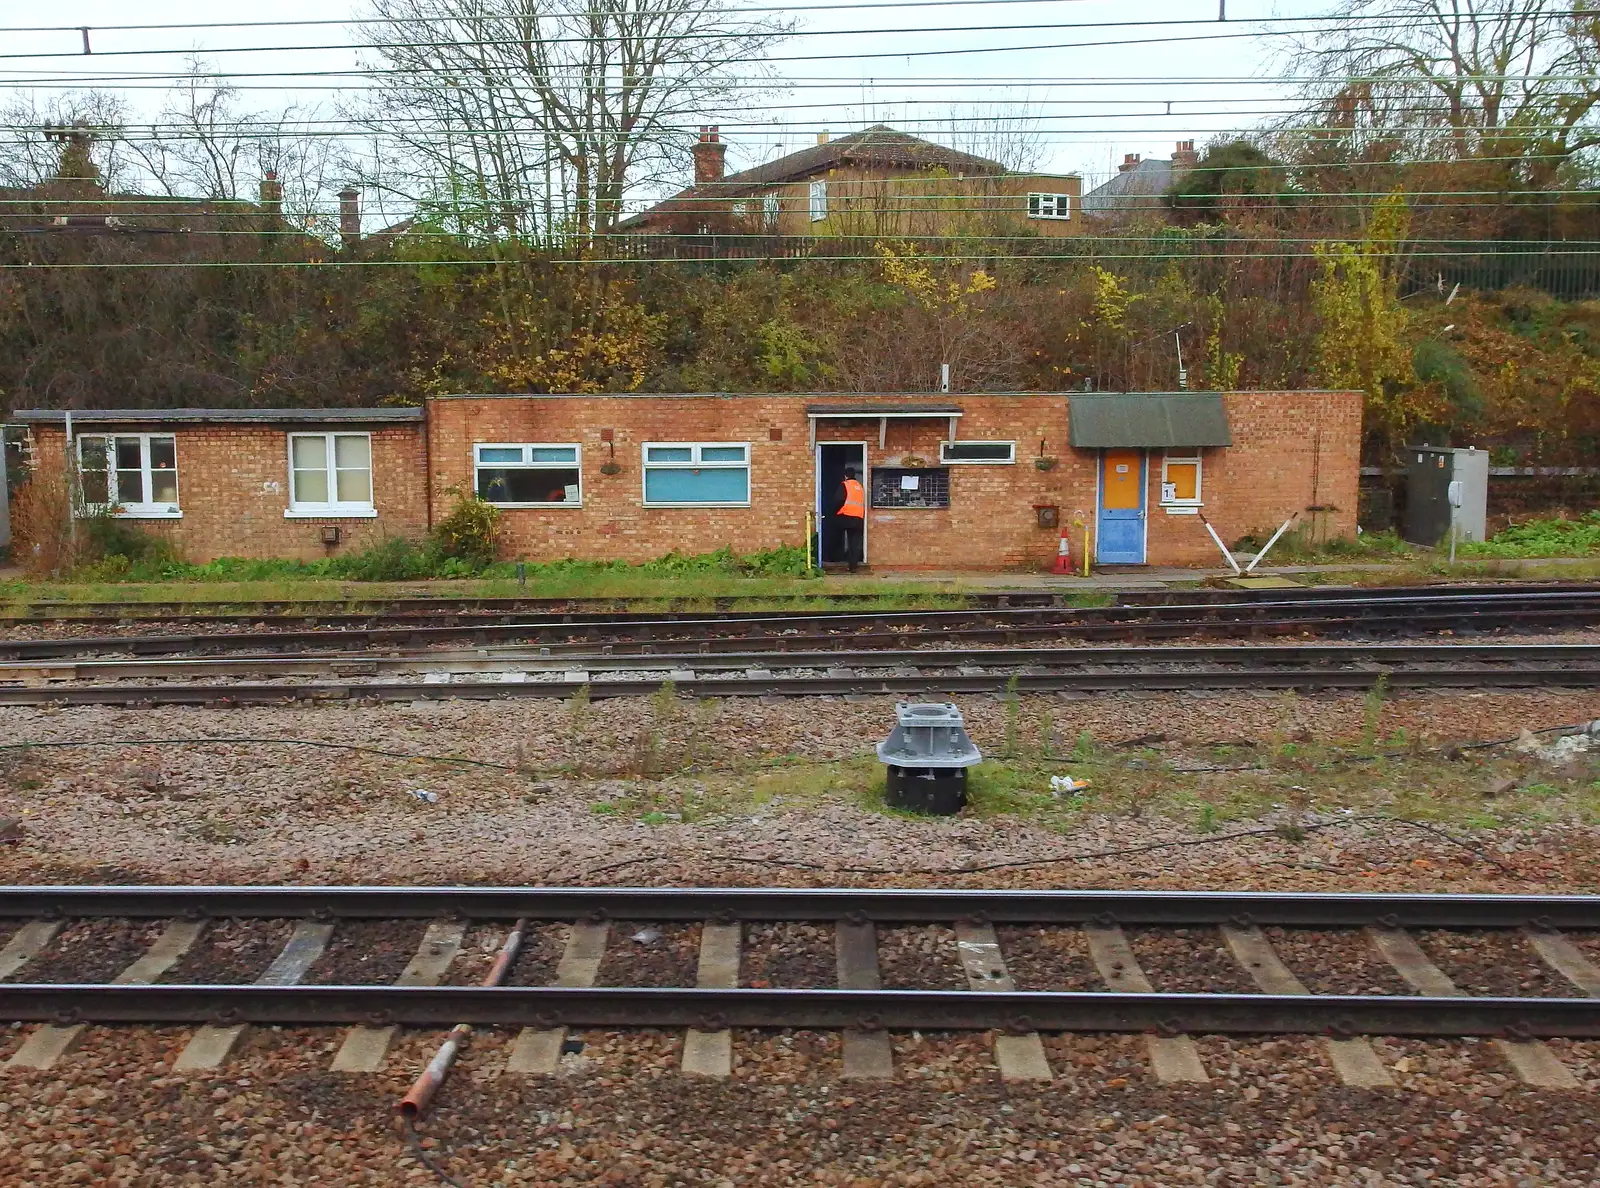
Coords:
232,812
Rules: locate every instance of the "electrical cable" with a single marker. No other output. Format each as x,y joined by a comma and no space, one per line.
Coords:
741,34
285,742
426,1159
1283,831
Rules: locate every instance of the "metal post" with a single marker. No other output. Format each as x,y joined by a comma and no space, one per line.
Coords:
1282,528
810,525
1452,538
1234,564
5,501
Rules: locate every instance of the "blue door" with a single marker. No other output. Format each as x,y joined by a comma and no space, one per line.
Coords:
1119,539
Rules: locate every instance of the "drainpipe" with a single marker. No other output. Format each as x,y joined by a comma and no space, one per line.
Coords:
414,1103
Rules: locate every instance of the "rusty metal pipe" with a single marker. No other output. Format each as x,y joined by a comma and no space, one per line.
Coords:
415,1102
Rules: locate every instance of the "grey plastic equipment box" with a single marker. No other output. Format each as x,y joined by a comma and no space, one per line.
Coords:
1445,487
927,755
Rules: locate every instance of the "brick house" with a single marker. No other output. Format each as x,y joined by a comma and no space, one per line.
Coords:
1140,184
971,481
876,182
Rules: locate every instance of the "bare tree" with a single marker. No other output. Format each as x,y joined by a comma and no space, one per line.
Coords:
1508,81
1014,139
28,154
206,146
534,117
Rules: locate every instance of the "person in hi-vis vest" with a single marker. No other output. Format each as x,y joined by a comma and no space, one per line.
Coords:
850,516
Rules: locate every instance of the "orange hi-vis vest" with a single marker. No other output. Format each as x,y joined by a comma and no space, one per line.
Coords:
855,500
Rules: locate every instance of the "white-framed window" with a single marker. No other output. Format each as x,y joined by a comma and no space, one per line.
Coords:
330,474
696,474
819,201
769,211
993,453
1049,206
134,474
1180,482
530,475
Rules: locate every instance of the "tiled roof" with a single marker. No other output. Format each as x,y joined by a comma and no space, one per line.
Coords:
878,145
1143,187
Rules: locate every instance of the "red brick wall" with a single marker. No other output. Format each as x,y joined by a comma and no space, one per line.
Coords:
1291,450
233,487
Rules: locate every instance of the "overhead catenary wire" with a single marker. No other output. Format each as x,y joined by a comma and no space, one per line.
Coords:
713,34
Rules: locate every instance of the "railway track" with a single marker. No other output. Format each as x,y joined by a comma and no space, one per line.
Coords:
917,672
420,609
1388,615
1228,946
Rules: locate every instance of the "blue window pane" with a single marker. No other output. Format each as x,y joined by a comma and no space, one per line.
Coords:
722,453
554,453
488,454
697,486
669,454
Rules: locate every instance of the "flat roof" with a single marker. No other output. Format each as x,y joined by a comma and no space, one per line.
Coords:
192,416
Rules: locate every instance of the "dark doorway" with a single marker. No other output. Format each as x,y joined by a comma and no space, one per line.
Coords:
832,458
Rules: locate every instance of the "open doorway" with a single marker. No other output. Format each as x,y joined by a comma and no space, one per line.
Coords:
832,458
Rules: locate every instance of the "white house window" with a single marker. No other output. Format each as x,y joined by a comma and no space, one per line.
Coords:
696,474
135,474
1049,206
819,201
740,210
769,211
528,475
978,452
330,474
1180,483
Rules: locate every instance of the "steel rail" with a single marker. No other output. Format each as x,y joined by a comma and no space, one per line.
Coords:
727,632
511,659
768,904
714,1009
43,611
1309,678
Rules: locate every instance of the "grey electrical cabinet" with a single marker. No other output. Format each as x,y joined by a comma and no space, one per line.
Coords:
1446,486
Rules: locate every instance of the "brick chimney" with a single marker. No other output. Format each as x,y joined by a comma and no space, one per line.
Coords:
1129,161
349,217
1184,156
709,152
271,193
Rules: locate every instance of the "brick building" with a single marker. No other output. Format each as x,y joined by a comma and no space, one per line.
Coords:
978,481
220,482
876,182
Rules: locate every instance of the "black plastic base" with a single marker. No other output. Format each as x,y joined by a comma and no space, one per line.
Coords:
941,791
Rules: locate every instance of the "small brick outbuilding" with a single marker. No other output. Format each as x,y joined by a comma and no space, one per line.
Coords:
960,481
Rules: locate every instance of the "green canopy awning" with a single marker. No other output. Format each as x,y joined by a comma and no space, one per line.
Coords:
1147,420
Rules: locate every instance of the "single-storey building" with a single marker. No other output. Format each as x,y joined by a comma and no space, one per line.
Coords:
973,481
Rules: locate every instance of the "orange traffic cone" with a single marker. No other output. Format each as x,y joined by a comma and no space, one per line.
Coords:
1063,555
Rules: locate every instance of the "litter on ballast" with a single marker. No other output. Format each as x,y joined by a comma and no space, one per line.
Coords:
646,936
425,796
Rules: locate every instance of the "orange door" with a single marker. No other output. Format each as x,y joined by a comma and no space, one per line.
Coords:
1124,480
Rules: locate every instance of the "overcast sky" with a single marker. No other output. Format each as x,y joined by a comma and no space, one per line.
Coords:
1090,105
